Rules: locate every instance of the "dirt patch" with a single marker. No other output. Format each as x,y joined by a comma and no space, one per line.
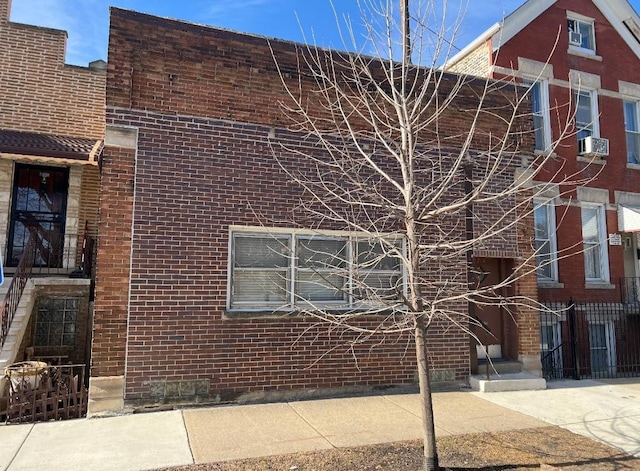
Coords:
549,447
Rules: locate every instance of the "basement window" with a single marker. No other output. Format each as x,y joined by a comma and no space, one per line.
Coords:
56,322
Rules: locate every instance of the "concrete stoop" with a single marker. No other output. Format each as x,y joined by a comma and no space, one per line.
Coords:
507,382
9,351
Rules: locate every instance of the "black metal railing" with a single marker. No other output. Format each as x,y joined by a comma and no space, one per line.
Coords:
16,288
630,290
589,340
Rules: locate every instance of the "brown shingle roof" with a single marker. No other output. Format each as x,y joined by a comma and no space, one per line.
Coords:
49,145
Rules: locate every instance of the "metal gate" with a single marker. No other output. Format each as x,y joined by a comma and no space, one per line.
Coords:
44,393
589,340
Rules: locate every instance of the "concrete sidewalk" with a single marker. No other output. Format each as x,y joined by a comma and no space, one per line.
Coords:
163,439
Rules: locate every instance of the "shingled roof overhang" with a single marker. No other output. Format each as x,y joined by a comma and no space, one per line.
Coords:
62,149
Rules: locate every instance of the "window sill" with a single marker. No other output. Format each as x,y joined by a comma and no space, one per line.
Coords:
297,312
592,160
550,284
586,53
633,166
599,285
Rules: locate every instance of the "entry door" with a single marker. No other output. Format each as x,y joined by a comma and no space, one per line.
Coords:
602,349
38,213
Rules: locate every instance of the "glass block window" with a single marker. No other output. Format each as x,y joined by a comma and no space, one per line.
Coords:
56,322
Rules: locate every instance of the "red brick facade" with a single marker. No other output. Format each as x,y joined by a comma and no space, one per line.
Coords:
205,106
613,63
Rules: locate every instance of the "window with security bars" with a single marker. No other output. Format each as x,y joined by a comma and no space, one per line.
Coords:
56,322
285,270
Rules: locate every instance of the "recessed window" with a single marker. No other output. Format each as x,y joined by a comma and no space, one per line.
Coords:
56,322
546,246
581,35
632,129
586,114
539,93
594,240
285,270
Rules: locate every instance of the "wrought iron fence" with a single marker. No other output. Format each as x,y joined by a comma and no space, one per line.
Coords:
37,392
12,298
589,340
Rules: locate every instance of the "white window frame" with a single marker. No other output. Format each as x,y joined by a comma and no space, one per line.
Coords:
632,134
601,245
592,126
542,86
579,23
550,216
293,298
609,348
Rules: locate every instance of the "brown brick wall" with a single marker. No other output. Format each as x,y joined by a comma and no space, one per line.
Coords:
112,266
205,103
39,92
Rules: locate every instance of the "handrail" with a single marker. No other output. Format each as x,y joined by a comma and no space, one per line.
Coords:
16,288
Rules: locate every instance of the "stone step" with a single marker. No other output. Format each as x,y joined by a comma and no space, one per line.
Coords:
507,382
499,366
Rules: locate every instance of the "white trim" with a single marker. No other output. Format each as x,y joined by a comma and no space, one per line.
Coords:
543,88
602,242
472,46
550,205
578,18
615,11
293,301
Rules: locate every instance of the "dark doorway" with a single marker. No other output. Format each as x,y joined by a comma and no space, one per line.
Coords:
38,210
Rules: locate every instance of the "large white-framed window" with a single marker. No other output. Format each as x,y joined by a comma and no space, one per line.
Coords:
287,269
632,129
586,113
544,216
581,33
594,241
539,92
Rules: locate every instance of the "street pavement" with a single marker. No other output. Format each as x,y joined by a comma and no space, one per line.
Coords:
608,412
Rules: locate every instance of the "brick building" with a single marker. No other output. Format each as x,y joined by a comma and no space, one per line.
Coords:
190,187
582,58
51,131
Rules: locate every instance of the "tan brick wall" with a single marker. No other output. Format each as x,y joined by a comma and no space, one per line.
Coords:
476,63
39,92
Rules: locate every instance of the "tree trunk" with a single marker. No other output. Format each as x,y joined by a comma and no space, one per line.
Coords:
428,427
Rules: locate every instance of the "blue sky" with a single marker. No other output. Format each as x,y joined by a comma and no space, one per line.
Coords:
87,21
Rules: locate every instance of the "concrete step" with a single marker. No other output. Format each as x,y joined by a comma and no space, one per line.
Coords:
507,382
500,366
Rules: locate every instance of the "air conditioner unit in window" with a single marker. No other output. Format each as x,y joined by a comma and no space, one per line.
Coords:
575,39
594,146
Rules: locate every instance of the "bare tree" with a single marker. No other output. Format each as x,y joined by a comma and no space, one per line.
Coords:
420,168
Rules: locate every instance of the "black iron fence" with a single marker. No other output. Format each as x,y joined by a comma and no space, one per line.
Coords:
589,340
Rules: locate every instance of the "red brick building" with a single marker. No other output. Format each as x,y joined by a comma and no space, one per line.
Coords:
51,131
189,188
583,58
